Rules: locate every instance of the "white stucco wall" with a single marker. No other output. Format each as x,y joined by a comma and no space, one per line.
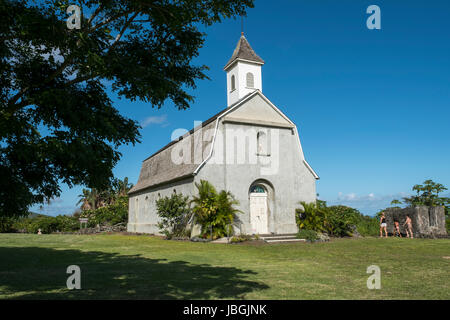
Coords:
288,183
142,217
283,172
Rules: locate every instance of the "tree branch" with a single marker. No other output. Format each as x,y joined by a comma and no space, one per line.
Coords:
118,16
13,106
96,12
124,28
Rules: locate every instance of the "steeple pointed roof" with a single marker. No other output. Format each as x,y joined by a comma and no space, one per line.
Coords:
244,51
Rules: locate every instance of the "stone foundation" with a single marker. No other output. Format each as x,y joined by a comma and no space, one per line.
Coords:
427,222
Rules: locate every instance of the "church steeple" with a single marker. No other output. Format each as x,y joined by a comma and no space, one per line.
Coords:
243,71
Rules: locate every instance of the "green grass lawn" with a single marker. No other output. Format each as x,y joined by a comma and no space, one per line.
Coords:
144,267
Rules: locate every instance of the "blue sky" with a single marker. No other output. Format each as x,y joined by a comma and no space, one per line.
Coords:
372,106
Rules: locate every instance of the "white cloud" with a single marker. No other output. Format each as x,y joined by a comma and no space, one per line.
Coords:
366,203
54,209
160,120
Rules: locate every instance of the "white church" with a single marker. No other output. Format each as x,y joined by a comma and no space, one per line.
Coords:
250,148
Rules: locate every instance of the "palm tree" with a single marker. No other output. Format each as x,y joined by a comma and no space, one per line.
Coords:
313,216
214,211
84,200
92,199
121,187
204,204
89,199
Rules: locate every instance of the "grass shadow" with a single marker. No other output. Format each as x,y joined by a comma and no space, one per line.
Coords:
40,273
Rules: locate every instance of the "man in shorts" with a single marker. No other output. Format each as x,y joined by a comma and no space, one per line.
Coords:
408,224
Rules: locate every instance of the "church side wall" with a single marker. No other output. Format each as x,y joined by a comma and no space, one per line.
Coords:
142,217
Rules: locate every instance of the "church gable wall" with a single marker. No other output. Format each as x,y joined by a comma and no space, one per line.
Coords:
282,167
257,111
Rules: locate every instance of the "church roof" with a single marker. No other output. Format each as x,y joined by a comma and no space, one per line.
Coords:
245,52
159,168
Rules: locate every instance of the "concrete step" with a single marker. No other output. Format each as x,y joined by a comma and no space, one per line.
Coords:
277,237
284,240
281,238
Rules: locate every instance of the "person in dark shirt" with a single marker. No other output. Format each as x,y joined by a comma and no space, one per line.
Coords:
383,225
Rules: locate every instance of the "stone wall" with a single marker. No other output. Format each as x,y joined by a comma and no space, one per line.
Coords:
427,222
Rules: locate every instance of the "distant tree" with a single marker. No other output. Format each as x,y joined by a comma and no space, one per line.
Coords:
121,187
57,121
427,194
396,202
92,199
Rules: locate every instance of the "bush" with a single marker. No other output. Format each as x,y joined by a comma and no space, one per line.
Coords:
67,223
7,224
215,212
311,216
447,225
241,238
368,226
307,234
109,215
339,220
175,213
47,224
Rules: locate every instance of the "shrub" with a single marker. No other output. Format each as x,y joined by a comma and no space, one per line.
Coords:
311,216
241,238
214,211
47,224
340,219
111,215
108,215
368,226
307,234
7,224
67,223
175,213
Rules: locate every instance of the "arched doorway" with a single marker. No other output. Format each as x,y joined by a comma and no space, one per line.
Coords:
258,209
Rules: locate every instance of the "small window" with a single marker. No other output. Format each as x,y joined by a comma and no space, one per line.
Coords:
261,143
257,189
233,83
250,80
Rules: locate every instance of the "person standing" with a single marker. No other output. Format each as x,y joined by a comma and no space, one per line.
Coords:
383,225
397,229
408,224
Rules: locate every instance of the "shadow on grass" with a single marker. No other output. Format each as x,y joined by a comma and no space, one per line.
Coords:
40,273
